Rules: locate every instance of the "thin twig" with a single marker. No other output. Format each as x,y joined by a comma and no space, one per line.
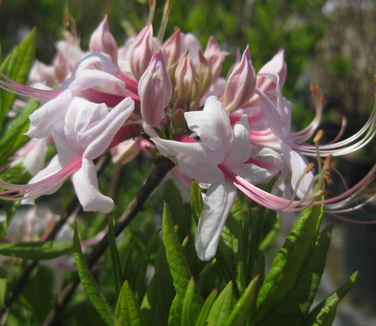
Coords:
158,171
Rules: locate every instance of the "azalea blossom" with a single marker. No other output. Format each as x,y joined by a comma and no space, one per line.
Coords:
84,134
220,147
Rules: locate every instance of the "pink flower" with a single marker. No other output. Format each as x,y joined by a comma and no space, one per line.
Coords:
220,148
85,133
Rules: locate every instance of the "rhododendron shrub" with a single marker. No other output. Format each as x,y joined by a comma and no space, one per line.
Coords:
220,152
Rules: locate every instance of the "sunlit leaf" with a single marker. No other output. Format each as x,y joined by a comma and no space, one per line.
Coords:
288,265
222,306
205,310
245,305
326,308
127,310
296,305
17,67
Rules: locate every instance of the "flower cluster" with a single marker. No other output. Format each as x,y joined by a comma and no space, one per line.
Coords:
226,133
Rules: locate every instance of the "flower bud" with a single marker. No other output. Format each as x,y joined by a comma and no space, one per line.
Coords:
154,90
186,80
240,83
103,41
142,52
204,73
215,57
172,49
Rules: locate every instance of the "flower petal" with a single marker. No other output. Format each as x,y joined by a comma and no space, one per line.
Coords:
196,160
217,204
86,187
212,124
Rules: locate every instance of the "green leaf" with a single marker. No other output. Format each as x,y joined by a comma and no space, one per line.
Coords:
115,258
222,307
245,305
128,267
272,234
39,292
204,313
176,310
288,265
325,309
139,281
180,271
160,293
17,67
91,287
13,136
190,309
296,305
197,203
127,310
35,250
3,286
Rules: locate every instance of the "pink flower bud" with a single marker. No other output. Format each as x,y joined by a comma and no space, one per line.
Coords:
204,72
186,80
155,90
172,49
215,57
142,52
240,83
103,41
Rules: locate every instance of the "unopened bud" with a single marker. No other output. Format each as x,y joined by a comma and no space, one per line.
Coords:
215,57
186,80
172,49
103,41
240,83
142,52
319,135
154,90
204,73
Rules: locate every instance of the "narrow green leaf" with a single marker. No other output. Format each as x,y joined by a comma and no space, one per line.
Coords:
189,310
204,313
272,234
180,271
39,293
127,310
222,306
128,266
257,223
3,286
296,305
17,68
139,281
197,203
160,293
13,136
117,269
245,305
289,263
35,250
328,315
175,313
91,287
326,305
